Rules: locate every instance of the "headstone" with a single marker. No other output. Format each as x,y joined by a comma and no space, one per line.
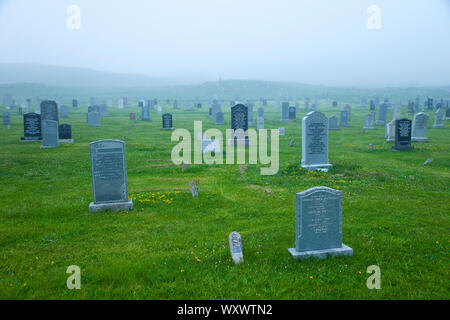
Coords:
315,142
318,224
369,122
411,108
349,111
109,176
159,110
381,121
64,112
193,189
93,119
281,131
49,134
120,103
260,112
447,113
334,104
6,118
145,113
284,112
371,147
438,119
344,119
49,111
175,104
65,133
291,143
419,127
429,104
235,242
74,103
333,123
292,113
402,134
31,127
250,114
220,118
167,122
103,108
397,111
260,123
28,108
390,131
239,124
372,105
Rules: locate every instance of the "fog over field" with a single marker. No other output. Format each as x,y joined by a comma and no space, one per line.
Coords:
322,42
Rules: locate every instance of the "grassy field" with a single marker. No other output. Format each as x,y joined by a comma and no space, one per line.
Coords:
173,246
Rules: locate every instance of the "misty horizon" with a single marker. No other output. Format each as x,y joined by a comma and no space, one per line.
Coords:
321,43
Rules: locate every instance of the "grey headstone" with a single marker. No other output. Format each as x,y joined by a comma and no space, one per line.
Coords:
260,123
93,119
6,118
333,123
220,118
390,131
64,112
369,122
284,112
292,113
382,112
315,142
49,134
146,113
318,224
49,111
438,119
344,119
419,127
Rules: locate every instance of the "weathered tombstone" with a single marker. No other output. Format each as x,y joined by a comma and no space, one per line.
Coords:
185,166
193,189
292,113
333,123
31,127
410,108
167,122
369,122
109,176
49,111
220,118
260,123
349,111
334,104
397,111
6,118
65,133
239,124
141,103
438,119
284,112
74,103
145,113
390,131
344,119
235,242
419,127
381,121
21,110
318,224
429,104
93,119
103,109
402,134
49,134
315,142
64,112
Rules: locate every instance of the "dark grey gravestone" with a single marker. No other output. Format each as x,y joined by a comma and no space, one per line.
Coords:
235,242
64,112
250,114
109,176
239,124
74,103
318,224
333,123
65,133
49,134
447,113
220,118
344,119
6,118
141,104
402,134
49,111
292,113
438,119
93,119
315,142
167,122
334,104
372,105
284,112
20,110
31,127
419,127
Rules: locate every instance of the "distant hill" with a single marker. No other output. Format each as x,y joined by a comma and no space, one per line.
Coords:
76,77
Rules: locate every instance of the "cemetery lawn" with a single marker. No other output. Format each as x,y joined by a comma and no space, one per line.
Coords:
172,246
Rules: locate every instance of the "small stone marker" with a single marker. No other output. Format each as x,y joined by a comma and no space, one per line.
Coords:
31,127
235,241
318,224
315,142
429,160
193,189
109,176
333,123
419,127
133,116
371,147
49,134
167,122
402,134
281,131
65,133
291,144
185,167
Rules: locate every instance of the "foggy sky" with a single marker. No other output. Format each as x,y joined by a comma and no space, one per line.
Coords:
317,42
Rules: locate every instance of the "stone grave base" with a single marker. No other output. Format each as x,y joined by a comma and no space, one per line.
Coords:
322,254
333,128
65,140
418,139
317,167
29,140
368,128
380,123
113,206
48,147
165,129
439,126
402,148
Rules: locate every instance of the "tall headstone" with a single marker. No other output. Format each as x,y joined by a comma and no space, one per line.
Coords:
381,121
260,123
32,127
447,113
250,114
315,142
260,112
344,119
64,112
349,111
167,122
74,103
109,176
419,127
49,134
402,134
49,111
438,119
284,112
333,123
146,113
292,113
318,224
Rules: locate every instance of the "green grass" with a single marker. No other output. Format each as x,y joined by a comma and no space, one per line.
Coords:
173,246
